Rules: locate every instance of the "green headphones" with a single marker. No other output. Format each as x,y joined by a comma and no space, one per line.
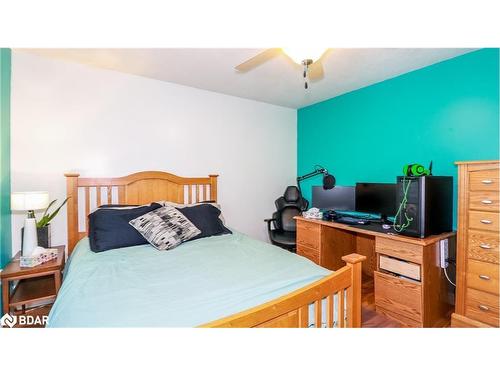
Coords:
417,170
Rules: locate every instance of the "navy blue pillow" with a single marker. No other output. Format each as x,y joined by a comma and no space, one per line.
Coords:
206,218
109,228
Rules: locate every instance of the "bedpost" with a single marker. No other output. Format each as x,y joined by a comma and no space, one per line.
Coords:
213,187
354,291
72,209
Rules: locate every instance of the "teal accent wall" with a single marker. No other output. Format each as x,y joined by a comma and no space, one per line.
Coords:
445,112
5,225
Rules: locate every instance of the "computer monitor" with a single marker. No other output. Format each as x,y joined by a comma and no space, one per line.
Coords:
376,198
338,198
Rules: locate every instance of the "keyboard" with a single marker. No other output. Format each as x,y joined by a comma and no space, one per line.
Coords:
352,221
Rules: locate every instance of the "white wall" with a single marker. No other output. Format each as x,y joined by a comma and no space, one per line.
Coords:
71,117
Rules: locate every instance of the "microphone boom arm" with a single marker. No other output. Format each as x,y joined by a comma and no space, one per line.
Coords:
318,170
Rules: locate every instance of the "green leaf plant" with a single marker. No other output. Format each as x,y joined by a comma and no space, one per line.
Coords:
46,218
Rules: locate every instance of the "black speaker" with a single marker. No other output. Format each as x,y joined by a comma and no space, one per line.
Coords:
429,205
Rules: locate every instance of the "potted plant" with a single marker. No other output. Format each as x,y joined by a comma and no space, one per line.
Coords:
43,225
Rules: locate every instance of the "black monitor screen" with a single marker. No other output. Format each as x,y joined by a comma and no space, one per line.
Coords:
376,198
338,198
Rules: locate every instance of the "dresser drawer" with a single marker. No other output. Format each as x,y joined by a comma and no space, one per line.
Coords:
461,321
399,249
484,220
308,234
484,180
484,200
482,276
400,267
482,306
309,253
483,246
400,296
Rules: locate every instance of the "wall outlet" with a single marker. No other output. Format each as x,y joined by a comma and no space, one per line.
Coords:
443,253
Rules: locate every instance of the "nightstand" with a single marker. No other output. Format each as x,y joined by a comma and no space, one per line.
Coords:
36,286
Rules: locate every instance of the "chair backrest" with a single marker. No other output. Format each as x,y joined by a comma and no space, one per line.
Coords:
289,205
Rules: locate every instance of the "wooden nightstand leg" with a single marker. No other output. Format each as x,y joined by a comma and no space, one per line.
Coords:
5,296
57,280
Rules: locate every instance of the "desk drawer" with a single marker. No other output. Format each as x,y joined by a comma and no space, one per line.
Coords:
482,306
309,253
484,220
483,246
400,296
484,180
484,200
403,320
483,276
400,267
399,249
308,234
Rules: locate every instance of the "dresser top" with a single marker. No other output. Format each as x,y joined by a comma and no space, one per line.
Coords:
478,162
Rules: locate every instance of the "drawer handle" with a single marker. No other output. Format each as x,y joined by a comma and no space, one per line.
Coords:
486,221
487,182
486,246
483,307
484,277
486,201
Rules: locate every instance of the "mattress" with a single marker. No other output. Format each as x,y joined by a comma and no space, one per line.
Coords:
195,283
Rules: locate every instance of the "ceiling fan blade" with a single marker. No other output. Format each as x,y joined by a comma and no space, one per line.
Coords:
316,71
258,59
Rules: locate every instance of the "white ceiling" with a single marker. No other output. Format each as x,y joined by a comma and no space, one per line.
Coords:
277,81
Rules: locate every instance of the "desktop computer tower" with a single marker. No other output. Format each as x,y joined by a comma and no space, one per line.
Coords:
429,205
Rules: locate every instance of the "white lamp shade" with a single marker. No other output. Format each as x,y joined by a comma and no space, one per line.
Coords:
29,200
298,54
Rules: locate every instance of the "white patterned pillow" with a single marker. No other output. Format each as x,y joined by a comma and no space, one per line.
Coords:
165,227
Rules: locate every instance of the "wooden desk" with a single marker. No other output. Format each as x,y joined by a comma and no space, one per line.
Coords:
422,302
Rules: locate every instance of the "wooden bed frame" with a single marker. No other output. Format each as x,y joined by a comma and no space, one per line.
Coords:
291,310
137,188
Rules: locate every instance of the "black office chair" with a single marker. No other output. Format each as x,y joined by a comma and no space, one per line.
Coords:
289,205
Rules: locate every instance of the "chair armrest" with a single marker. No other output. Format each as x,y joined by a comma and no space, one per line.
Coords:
269,221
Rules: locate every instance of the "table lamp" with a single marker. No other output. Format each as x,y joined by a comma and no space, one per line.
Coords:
29,201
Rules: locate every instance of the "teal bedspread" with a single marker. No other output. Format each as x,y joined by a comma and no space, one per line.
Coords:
195,283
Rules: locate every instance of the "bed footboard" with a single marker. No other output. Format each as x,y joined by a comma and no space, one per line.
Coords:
292,310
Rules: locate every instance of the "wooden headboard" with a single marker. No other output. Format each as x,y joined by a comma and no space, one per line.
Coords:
85,194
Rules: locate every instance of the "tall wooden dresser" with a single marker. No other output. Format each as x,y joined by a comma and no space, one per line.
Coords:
477,302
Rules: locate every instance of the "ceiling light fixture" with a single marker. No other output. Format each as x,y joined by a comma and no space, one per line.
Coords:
304,56
300,55
308,57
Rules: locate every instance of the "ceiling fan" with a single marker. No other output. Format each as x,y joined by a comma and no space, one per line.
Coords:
310,58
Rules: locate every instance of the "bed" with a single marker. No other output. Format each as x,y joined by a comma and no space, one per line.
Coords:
221,281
